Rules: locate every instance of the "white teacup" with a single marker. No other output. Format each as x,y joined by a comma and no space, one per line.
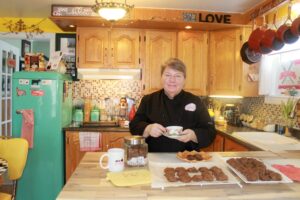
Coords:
174,130
115,160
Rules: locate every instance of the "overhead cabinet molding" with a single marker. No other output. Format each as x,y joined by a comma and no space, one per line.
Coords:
108,48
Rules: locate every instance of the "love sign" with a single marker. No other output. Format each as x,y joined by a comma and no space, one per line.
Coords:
215,18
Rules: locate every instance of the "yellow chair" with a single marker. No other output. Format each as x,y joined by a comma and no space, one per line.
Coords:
14,151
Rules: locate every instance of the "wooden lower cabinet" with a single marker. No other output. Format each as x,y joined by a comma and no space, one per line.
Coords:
73,155
230,145
72,151
222,143
113,139
219,143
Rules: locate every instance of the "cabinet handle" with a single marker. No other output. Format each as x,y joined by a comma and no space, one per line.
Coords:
112,52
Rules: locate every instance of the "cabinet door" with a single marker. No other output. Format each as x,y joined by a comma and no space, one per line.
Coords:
192,50
230,145
219,143
124,48
160,46
73,153
92,47
225,62
113,139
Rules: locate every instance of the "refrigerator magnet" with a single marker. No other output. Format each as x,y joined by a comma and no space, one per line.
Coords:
37,92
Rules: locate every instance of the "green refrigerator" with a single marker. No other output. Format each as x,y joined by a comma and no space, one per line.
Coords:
49,95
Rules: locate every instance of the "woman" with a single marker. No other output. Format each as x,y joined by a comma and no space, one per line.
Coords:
173,106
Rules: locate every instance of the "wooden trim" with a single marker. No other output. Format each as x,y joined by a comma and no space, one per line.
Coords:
264,9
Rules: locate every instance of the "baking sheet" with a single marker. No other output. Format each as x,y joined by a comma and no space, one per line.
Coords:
285,179
159,180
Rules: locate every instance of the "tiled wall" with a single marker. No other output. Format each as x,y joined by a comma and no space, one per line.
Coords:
101,89
255,106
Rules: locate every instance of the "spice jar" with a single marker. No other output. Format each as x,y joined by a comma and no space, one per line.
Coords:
136,151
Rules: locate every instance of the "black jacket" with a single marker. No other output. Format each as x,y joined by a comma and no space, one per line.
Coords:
158,108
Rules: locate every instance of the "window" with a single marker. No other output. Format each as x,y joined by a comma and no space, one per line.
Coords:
280,72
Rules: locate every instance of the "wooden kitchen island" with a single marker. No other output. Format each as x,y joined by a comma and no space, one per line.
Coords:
88,182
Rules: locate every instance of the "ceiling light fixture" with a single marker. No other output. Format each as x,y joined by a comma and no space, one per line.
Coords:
20,26
111,11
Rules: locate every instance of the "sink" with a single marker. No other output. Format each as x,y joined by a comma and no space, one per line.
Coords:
268,140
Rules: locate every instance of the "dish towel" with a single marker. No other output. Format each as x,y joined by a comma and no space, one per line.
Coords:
290,171
28,126
89,141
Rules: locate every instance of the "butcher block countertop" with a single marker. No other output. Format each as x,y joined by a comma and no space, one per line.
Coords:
88,182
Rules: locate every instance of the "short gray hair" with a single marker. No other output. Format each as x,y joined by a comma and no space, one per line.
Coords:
174,63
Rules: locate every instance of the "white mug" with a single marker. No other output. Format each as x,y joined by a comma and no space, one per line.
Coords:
115,160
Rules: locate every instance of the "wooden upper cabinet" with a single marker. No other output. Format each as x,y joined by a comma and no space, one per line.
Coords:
125,48
224,69
107,48
92,47
193,51
160,46
228,75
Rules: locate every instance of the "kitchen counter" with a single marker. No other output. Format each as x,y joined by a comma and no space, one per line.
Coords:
88,182
228,130
97,129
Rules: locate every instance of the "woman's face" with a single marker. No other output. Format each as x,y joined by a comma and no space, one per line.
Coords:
173,82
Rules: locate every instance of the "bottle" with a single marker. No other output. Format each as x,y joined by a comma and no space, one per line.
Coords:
87,110
132,112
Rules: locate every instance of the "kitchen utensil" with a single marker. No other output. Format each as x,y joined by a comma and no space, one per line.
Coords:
249,56
295,28
255,39
284,32
269,41
264,49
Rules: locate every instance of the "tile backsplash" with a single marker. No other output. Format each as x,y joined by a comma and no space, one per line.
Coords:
101,89
255,106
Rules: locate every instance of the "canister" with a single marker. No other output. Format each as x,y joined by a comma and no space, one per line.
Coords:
95,115
78,117
136,150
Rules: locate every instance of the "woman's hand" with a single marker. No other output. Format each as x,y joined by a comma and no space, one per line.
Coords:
154,130
188,135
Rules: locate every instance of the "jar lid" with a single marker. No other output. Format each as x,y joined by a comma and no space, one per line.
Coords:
134,140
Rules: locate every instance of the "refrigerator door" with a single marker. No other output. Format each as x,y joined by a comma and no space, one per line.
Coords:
48,94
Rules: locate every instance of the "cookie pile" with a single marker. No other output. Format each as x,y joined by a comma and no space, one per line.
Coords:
193,156
187,175
253,169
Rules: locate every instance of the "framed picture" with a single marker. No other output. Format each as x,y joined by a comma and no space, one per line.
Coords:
66,43
26,47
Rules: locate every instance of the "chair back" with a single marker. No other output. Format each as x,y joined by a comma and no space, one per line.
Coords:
14,151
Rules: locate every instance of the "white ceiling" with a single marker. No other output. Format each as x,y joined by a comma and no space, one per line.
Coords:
42,8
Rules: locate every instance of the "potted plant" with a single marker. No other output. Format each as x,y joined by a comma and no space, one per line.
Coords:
287,109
